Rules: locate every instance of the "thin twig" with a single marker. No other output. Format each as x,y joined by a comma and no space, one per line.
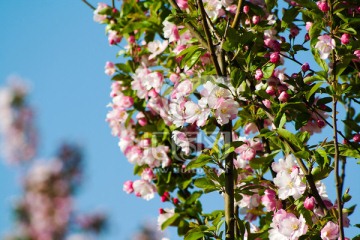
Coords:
113,3
334,84
309,178
237,15
209,38
87,3
190,26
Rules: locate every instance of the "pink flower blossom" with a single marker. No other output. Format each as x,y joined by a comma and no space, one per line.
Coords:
141,119
227,111
128,187
147,174
144,189
165,215
171,31
308,25
325,45
213,8
249,201
122,102
270,201
110,68
286,226
357,54
182,141
290,184
156,47
284,97
183,4
114,37
330,231
195,113
247,151
157,156
182,89
134,155
100,18
259,74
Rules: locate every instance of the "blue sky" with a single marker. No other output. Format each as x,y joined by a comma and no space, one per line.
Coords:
62,52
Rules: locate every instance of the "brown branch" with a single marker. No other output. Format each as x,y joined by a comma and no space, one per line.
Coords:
237,15
309,178
210,44
229,186
87,3
190,26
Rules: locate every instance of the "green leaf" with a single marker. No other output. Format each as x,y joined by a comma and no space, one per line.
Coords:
191,59
267,70
194,196
313,90
319,174
291,139
270,4
352,125
170,221
194,234
282,121
206,184
344,150
200,161
321,158
237,77
123,67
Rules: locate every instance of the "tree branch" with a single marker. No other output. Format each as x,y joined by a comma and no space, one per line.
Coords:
87,3
209,38
237,15
190,26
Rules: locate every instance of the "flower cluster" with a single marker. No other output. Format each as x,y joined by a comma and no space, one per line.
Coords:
212,86
19,135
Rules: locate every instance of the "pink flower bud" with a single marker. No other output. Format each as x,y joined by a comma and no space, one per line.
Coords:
175,201
131,39
308,25
152,93
246,9
161,211
144,143
323,6
259,74
267,103
309,203
305,67
345,38
356,137
165,197
294,31
274,57
255,19
270,90
128,187
283,97
307,37
320,123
